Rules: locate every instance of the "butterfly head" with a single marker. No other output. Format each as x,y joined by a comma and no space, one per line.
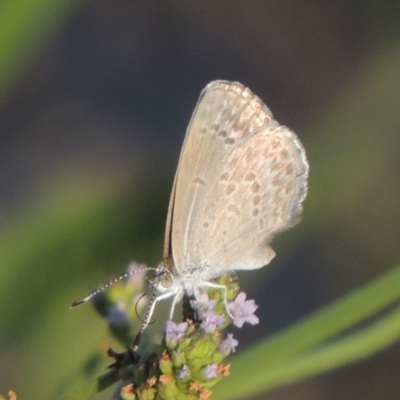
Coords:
164,280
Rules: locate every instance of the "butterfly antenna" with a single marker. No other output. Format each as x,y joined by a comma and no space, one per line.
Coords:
107,285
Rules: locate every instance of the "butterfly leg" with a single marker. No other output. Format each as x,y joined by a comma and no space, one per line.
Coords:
177,298
155,299
212,285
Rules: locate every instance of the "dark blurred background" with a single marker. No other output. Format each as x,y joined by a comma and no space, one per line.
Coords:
95,98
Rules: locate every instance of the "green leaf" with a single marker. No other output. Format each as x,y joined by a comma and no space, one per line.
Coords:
357,346
286,347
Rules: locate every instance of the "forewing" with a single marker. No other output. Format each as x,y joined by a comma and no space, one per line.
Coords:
222,117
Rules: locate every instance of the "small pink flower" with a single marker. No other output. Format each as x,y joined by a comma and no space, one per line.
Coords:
211,321
174,331
229,344
184,372
211,371
243,310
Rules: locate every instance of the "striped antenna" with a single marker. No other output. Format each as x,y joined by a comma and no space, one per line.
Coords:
107,285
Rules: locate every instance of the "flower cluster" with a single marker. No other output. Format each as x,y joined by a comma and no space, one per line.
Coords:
193,356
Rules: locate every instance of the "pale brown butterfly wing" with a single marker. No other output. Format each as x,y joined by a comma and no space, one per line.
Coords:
257,194
241,178
200,155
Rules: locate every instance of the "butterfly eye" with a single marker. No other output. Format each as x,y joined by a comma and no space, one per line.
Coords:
166,280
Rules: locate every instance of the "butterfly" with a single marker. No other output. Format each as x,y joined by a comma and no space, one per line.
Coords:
241,179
